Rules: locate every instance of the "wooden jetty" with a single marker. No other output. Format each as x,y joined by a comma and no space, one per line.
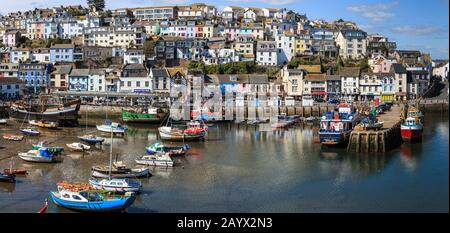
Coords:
382,140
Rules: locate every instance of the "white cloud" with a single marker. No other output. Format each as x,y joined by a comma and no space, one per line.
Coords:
420,30
376,12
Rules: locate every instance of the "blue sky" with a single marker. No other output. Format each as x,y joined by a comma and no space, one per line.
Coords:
413,24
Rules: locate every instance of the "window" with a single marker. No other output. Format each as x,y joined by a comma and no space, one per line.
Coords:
129,83
138,84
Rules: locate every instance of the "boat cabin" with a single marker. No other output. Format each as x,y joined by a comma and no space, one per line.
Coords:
410,121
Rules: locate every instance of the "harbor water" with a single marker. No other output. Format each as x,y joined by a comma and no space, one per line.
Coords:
240,168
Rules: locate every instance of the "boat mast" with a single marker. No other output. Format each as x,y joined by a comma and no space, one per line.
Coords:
110,154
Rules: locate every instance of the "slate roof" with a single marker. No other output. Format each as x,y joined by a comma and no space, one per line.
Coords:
159,72
79,72
62,69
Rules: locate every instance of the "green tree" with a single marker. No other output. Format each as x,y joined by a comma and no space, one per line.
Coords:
99,5
149,48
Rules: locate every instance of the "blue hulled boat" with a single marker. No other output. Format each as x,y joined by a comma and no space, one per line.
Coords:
92,200
91,139
335,127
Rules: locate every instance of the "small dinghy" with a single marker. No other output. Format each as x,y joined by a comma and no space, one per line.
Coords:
30,132
91,139
7,178
116,185
80,147
159,159
11,137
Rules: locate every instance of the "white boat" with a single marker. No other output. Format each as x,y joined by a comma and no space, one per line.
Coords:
103,172
3,122
78,146
116,185
159,159
37,156
113,127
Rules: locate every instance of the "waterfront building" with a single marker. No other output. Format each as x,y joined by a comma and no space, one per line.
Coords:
79,80
35,75
315,86
59,78
350,82
400,75
160,80
135,79
370,86
11,88
97,80
418,83
266,53
292,80
333,86
352,44
388,86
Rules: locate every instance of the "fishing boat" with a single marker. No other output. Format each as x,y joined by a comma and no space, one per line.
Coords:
415,113
411,129
80,147
92,200
43,124
152,115
11,137
7,178
91,139
161,147
44,144
30,132
116,185
194,131
47,108
115,128
40,156
335,127
3,122
119,170
161,159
